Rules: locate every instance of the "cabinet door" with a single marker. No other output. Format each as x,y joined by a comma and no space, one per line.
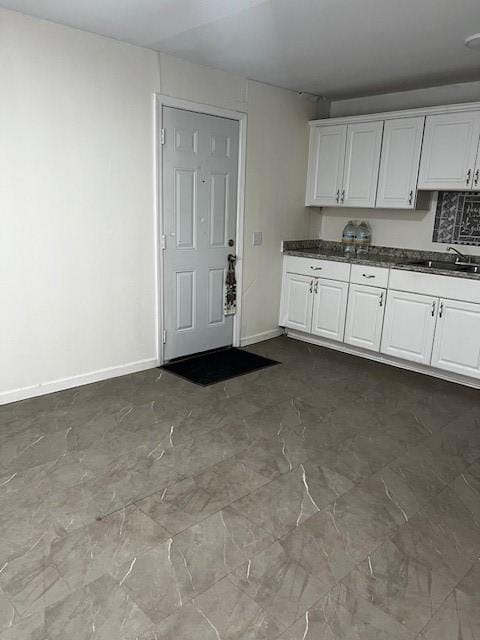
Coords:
449,151
297,301
409,326
401,146
329,308
457,338
325,165
362,159
365,316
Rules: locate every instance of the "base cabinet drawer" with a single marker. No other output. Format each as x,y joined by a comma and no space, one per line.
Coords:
409,326
317,268
365,310
457,338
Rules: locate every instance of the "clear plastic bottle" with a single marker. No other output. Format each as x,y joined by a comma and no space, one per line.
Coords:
363,238
348,238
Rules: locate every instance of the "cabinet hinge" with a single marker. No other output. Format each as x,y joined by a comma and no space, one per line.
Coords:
164,336
162,136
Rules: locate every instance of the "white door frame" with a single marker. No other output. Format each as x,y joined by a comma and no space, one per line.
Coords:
166,101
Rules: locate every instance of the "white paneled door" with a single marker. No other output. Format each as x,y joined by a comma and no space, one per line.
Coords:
449,151
297,301
329,308
401,146
200,172
365,316
409,326
362,159
457,338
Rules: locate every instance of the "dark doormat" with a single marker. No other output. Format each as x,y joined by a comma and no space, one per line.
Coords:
217,366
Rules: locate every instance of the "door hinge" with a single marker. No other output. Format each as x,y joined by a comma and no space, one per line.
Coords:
162,136
164,336
163,242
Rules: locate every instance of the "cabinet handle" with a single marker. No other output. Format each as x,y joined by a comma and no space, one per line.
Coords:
367,275
316,286
477,177
410,197
311,286
338,195
434,306
343,196
381,299
440,311
316,268
469,175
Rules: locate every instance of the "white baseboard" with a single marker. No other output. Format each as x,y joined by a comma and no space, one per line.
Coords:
76,381
260,337
379,357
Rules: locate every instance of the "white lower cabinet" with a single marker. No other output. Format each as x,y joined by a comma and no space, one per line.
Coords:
409,326
297,301
365,316
329,308
457,338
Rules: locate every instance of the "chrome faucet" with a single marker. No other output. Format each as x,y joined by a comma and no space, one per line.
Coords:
461,258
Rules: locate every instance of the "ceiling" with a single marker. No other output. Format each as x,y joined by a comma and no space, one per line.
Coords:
333,48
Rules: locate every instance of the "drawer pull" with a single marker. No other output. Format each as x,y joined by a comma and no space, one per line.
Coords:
367,275
316,268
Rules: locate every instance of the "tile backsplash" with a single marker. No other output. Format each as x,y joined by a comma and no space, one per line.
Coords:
457,218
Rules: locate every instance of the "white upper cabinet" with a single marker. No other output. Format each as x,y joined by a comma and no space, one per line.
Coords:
409,326
325,166
362,158
457,338
365,316
449,152
400,158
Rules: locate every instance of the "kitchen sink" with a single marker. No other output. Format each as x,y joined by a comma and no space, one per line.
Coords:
445,266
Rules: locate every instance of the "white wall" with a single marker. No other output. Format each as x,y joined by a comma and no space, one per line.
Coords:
77,199
390,228
431,97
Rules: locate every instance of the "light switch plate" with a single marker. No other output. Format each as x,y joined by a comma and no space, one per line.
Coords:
257,238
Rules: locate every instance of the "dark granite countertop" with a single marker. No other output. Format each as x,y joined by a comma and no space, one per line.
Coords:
377,256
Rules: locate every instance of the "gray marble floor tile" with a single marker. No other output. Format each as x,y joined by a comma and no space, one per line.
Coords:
223,611
278,584
100,610
350,616
371,511
459,616
291,498
467,487
8,613
215,546
85,554
30,580
123,481
401,587
318,547
174,572
442,536
31,628
188,501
